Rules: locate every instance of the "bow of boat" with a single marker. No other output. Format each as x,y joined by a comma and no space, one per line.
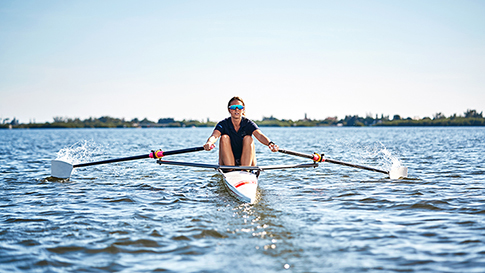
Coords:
241,184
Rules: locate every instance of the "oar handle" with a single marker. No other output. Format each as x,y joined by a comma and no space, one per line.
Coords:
319,158
315,157
153,154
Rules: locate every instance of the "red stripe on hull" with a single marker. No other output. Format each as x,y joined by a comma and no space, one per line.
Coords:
244,183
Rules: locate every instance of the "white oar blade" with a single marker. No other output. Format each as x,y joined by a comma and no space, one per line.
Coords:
400,172
61,169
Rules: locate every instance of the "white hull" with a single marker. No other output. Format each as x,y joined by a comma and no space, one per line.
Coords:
242,184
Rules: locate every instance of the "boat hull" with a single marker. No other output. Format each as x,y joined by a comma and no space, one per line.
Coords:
242,184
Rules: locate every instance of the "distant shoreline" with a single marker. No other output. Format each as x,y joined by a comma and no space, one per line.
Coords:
137,128
426,122
470,118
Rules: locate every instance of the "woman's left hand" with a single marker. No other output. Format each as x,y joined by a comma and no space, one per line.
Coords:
273,147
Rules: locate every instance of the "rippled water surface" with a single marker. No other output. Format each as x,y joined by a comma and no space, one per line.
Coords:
138,216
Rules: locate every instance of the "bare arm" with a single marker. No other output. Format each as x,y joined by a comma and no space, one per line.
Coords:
265,140
212,139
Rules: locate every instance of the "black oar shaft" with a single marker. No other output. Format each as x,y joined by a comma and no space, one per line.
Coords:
314,157
112,160
182,151
354,165
296,153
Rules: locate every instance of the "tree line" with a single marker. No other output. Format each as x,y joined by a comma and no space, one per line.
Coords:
470,118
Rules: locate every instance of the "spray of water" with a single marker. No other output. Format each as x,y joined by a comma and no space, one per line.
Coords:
81,151
391,160
87,151
377,153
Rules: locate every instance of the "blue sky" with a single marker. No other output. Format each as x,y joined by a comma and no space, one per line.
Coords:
185,59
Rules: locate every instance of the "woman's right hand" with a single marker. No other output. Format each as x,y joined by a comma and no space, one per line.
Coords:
208,146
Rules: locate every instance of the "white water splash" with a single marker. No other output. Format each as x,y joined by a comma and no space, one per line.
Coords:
87,151
382,156
79,152
397,170
390,161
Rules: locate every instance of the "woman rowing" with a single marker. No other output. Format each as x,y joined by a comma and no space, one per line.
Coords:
236,147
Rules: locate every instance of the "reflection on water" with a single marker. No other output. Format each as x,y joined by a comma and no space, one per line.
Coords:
138,216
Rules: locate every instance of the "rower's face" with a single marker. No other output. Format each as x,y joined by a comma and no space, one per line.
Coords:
236,113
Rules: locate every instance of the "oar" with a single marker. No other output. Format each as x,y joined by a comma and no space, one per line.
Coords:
395,173
63,169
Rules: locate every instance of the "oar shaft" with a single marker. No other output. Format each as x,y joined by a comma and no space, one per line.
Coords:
318,158
354,165
112,160
297,154
159,154
183,151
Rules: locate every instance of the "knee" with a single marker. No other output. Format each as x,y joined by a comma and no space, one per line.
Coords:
248,140
225,140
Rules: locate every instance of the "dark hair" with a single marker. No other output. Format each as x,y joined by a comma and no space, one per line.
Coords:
235,98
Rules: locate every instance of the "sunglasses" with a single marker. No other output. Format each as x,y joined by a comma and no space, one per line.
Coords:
234,107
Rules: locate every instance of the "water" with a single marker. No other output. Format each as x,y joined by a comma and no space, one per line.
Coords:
138,216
